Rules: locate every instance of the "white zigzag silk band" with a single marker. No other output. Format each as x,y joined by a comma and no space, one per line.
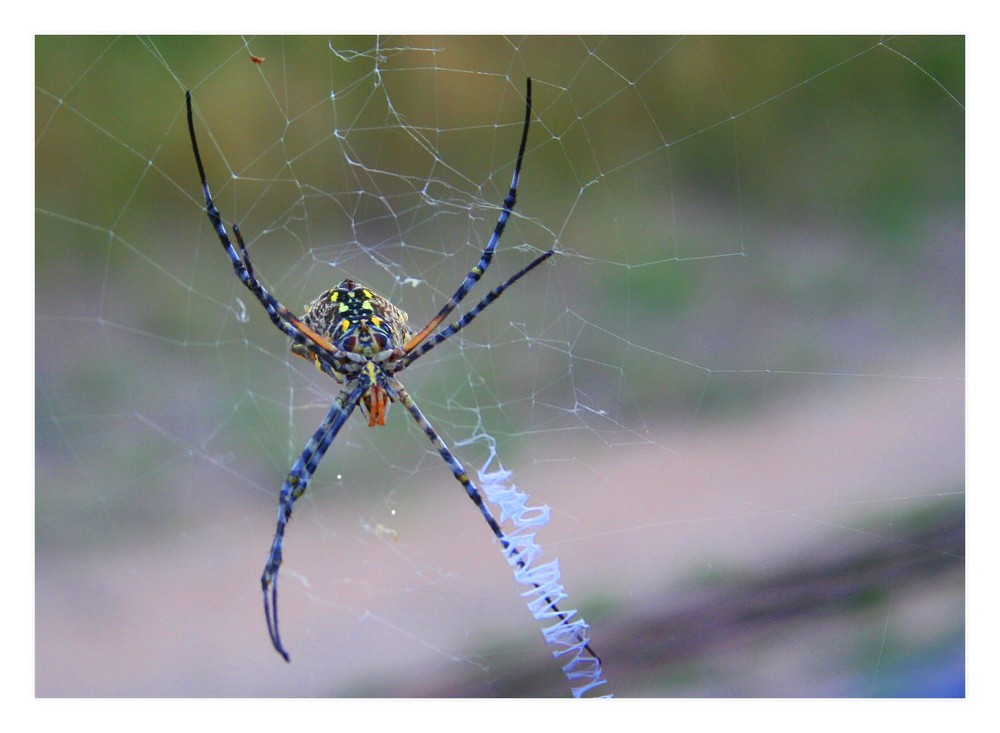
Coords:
567,635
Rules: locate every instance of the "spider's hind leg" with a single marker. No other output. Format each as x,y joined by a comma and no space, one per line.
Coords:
461,475
293,488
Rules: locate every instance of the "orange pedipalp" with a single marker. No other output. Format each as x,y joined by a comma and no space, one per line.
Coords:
320,341
417,339
378,403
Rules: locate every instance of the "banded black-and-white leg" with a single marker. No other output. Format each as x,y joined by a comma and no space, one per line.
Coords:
479,308
295,485
484,261
398,392
280,316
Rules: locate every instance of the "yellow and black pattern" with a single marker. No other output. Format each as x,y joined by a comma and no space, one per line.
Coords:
355,319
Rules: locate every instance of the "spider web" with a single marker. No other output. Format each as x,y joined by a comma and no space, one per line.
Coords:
738,384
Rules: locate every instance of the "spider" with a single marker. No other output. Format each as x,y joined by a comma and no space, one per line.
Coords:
362,340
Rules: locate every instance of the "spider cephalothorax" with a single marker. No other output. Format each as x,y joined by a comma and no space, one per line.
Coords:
361,339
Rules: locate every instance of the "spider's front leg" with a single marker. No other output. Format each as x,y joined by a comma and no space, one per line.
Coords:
320,348
487,256
295,485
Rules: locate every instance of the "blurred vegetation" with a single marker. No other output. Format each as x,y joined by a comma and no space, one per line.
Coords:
840,127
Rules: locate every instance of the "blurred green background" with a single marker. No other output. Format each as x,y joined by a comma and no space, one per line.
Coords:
739,384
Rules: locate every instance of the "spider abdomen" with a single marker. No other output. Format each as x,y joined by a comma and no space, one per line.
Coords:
356,320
